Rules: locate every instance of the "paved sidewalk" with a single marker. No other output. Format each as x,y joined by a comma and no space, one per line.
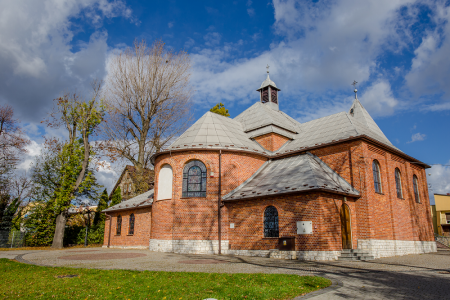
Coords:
425,276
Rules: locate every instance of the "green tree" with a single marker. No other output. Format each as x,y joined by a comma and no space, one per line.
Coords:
220,109
116,197
53,174
7,212
74,177
99,218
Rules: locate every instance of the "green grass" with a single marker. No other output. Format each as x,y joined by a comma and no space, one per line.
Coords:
22,281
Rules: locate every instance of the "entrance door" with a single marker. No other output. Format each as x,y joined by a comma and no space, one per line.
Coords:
346,229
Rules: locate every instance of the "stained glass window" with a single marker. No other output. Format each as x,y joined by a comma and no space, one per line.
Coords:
416,188
131,225
271,222
194,179
398,183
376,176
119,225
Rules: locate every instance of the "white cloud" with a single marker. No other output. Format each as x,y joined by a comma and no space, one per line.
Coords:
417,137
326,47
170,25
35,48
430,68
378,99
439,179
212,38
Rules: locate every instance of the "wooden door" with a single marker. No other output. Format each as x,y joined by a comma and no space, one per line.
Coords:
346,229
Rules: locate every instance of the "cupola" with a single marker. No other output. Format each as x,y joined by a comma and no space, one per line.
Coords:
269,92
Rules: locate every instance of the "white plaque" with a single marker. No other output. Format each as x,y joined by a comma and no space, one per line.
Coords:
231,225
304,227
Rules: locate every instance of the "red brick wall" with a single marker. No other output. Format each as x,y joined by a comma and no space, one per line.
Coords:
196,218
320,208
142,228
373,215
271,141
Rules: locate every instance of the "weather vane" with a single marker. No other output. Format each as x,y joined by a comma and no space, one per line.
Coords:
354,85
267,68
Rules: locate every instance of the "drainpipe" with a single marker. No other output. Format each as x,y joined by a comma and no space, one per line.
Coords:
219,203
109,233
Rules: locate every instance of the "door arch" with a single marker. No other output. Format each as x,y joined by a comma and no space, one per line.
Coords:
346,227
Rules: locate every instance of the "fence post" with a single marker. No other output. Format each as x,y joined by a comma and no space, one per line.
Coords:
12,241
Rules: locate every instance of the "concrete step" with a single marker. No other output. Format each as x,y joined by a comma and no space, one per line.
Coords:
356,258
344,254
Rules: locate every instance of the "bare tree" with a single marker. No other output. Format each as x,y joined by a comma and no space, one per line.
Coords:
12,144
147,101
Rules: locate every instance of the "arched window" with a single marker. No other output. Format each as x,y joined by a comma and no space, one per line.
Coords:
271,222
416,188
398,183
129,188
119,225
376,176
194,179
165,182
131,224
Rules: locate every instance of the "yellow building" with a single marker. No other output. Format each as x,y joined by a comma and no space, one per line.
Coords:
441,214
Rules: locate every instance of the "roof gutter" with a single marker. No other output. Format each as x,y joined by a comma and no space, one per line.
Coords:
282,155
294,192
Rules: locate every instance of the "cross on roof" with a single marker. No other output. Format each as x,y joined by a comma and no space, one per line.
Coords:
267,68
354,83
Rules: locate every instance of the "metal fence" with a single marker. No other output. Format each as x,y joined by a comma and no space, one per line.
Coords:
444,240
11,239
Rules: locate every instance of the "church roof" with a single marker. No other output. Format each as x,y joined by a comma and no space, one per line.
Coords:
299,173
268,82
216,131
259,115
142,200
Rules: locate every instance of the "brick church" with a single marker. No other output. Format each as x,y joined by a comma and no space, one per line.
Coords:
263,182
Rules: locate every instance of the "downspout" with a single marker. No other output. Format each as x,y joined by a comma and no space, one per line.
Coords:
219,203
109,233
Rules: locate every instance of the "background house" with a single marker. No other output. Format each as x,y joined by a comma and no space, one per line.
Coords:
441,214
128,181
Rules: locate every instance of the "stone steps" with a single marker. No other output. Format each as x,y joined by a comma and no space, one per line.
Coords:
355,255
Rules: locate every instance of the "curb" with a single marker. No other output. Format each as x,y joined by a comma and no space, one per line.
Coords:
20,258
335,284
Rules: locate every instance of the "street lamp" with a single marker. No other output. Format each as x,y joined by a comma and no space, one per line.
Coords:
87,220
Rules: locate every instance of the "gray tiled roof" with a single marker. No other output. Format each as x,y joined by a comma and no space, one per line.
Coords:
216,131
142,200
299,173
267,82
259,115
337,127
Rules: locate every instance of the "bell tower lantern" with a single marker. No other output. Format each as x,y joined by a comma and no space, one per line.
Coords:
269,92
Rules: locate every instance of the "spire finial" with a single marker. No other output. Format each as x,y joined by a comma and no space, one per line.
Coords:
267,68
354,85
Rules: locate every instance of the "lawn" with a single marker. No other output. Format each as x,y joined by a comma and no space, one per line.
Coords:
22,281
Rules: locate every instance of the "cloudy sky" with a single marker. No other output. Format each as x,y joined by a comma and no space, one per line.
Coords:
396,49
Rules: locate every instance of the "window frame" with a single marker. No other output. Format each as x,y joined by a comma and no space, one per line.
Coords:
203,180
376,170
398,183
131,224
416,188
268,231
119,225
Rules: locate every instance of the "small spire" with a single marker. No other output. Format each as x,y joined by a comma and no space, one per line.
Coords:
354,85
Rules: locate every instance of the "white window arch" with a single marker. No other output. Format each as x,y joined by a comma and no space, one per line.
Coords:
165,182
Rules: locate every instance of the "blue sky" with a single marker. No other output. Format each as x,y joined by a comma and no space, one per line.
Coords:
396,50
